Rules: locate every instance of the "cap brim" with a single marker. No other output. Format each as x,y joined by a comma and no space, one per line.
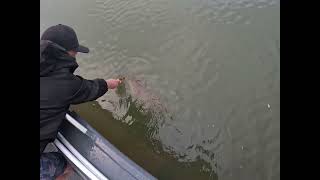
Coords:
82,49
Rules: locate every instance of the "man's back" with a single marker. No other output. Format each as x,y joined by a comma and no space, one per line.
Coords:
56,91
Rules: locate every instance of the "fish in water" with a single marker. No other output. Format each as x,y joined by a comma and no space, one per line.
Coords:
133,91
143,96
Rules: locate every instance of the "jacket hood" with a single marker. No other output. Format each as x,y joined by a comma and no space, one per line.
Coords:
54,58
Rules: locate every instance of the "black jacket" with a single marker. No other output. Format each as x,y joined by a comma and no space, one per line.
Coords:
59,88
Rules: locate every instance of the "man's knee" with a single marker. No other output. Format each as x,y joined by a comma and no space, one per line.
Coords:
52,164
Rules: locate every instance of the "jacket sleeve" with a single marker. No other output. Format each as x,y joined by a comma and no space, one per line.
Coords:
89,90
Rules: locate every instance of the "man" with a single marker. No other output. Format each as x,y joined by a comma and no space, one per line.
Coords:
59,88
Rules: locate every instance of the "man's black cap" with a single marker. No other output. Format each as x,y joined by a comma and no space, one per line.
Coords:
64,36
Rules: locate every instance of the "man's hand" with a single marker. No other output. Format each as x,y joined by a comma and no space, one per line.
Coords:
113,83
